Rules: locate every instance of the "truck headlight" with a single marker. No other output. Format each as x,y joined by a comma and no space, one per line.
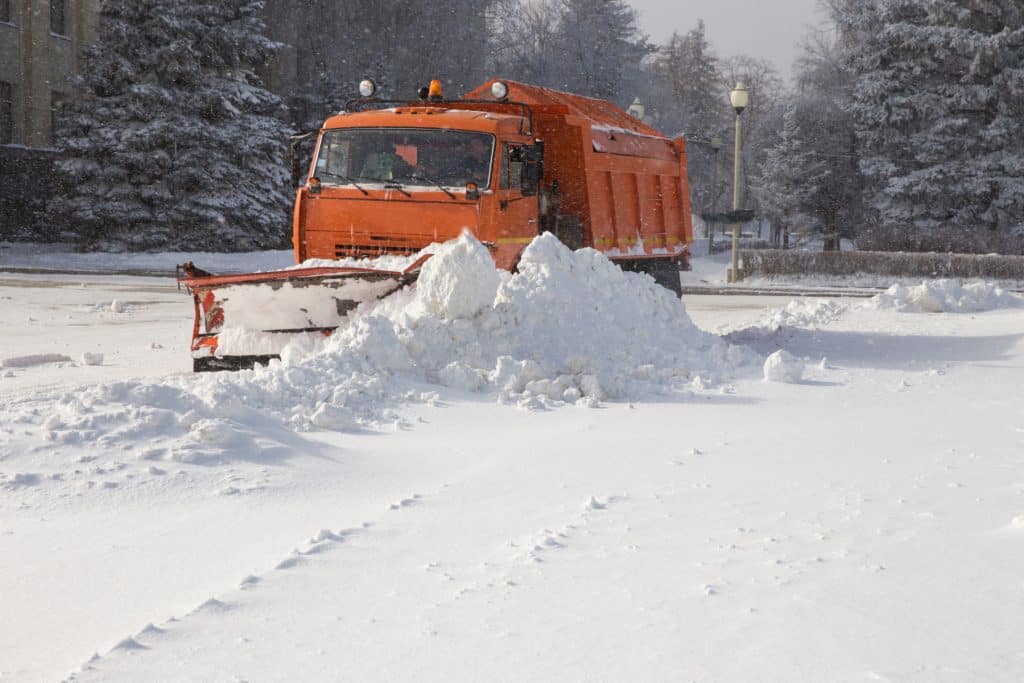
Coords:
499,90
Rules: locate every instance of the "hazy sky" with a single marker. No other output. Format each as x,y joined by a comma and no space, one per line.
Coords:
759,28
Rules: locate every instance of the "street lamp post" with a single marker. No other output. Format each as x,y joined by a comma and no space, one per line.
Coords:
739,98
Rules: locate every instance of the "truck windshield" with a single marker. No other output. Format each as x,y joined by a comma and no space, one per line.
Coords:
408,156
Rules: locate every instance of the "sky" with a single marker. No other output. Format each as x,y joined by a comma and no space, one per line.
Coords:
766,28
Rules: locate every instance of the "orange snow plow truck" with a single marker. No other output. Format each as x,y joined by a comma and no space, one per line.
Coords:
508,161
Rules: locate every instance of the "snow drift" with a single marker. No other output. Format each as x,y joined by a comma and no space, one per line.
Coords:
944,296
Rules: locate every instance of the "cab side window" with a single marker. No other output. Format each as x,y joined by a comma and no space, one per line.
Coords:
511,167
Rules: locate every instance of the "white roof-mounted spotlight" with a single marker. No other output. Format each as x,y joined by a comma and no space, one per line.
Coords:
499,90
367,88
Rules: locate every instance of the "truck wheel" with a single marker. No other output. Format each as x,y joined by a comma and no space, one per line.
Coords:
666,274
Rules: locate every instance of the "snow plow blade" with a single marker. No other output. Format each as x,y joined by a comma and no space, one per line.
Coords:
242,320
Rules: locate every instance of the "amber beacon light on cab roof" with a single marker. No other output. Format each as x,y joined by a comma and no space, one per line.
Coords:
507,161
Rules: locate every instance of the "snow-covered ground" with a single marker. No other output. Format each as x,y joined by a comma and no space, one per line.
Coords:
417,500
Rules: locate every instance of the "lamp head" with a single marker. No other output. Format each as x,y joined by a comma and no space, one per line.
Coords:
739,98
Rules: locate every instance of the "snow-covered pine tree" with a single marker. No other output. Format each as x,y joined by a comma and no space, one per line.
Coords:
938,114
174,143
816,150
788,178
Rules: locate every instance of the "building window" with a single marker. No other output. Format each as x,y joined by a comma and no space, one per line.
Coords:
57,21
5,11
6,113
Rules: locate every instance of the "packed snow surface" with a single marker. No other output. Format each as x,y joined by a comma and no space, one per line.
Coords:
945,296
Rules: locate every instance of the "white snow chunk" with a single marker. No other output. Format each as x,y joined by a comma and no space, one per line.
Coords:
116,306
783,366
92,358
459,281
338,418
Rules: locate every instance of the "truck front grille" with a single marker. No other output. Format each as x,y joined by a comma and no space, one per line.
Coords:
370,250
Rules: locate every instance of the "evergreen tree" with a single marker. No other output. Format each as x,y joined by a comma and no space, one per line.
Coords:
689,74
788,178
173,142
938,113
599,49
589,47
809,180
687,97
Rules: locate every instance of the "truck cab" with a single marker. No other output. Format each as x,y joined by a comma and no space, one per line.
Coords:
393,180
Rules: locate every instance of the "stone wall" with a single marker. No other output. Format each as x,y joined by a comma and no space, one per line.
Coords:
771,263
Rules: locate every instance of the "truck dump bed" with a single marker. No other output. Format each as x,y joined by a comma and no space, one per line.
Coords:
624,180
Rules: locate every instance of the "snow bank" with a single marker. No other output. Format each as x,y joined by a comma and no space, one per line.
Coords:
569,327
807,313
944,296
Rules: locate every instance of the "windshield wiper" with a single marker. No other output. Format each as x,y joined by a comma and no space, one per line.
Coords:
351,181
396,186
434,182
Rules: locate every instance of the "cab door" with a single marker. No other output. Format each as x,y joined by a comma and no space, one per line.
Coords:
515,216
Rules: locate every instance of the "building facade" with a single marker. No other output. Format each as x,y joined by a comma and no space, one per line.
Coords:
40,54
41,45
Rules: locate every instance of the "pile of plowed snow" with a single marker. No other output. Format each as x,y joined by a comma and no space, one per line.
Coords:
567,325
807,313
568,328
944,296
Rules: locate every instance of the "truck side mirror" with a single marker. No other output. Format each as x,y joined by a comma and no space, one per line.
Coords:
296,170
533,168
296,142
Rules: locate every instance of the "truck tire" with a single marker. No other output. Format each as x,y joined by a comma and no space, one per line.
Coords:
666,274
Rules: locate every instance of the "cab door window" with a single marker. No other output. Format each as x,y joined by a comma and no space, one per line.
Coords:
511,167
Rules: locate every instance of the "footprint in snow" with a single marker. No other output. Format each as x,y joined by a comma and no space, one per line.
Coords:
406,502
129,644
211,606
150,630
327,535
289,562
